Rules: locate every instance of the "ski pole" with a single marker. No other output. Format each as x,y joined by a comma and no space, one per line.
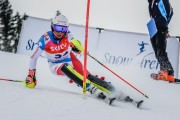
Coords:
117,75
86,44
11,80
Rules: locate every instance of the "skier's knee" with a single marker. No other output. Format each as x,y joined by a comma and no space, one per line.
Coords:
59,71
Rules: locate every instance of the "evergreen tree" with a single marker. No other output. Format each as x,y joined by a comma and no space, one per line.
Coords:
1,42
10,27
14,41
7,25
19,21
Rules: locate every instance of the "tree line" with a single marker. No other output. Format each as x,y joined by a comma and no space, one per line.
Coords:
10,27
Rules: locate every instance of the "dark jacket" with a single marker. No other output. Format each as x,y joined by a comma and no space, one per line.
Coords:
156,14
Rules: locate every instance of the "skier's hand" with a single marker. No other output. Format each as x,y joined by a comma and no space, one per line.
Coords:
76,50
76,46
30,81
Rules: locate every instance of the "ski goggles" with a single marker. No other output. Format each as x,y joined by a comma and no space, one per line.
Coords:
59,28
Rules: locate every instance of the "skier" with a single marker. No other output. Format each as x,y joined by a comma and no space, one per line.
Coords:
60,46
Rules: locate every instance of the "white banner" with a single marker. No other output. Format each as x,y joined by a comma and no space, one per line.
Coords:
32,30
125,49
115,48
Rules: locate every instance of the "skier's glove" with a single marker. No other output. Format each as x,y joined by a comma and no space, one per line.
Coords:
76,46
30,81
76,50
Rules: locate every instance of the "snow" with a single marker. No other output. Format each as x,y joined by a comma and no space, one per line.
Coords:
55,98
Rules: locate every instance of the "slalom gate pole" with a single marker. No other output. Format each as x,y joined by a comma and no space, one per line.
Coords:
85,46
117,75
11,80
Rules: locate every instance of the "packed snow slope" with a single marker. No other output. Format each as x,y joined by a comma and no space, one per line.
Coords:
55,98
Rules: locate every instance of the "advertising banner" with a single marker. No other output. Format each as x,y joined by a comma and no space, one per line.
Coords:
113,48
132,49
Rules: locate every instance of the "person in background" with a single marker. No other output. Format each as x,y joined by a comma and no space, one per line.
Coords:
162,12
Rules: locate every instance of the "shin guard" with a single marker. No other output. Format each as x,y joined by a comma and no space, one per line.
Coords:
78,78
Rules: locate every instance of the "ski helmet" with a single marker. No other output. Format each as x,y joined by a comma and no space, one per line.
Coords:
59,24
60,20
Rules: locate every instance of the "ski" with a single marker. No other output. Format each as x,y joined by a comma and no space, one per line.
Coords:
108,100
111,100
139,103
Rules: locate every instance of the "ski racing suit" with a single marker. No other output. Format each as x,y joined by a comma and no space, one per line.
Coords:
62,61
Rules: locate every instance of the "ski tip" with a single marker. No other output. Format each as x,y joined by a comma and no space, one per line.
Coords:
111,101
139,104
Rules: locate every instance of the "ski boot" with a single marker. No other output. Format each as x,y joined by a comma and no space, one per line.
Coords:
95,91
163,75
